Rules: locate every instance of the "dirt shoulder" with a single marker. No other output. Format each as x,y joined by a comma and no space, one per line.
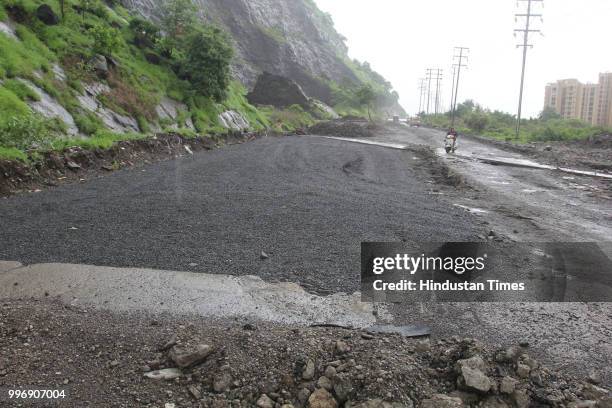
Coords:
590,154
105,360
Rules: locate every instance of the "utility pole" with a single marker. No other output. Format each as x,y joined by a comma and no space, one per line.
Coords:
429,78
463,51
526,31
452,99
438,79
422,94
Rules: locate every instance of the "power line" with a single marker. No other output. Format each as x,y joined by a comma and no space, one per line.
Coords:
526,31
463,51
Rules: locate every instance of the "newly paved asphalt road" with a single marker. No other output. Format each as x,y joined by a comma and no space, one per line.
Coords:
307,202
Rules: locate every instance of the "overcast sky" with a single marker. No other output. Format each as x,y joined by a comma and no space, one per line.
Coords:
401,38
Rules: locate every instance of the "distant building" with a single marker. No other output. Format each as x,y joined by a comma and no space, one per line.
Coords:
591,103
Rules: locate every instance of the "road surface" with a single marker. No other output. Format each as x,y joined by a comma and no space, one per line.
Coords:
308,202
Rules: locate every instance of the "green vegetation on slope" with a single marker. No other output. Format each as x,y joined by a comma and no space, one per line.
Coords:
145,69
473,119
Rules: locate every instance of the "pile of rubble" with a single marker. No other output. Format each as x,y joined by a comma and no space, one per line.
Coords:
352,128
105,359
452,373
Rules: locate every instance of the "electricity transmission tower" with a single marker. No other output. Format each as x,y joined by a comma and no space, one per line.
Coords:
463,51
422,88
429,73
526,31
452,99
438,79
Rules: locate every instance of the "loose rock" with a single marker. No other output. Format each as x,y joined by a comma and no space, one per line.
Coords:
322,399
309,370
442,401
265,402
187,358
165,374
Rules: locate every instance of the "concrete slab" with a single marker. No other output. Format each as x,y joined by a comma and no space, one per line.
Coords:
6,266
157,291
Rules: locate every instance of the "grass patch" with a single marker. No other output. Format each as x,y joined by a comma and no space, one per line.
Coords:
21,90
101,140
11,153
11,104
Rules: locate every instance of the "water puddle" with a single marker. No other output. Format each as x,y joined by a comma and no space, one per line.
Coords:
472,210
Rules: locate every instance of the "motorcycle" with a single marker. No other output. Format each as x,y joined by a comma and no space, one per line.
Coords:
450,144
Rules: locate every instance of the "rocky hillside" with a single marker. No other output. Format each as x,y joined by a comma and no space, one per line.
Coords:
93,69
290,38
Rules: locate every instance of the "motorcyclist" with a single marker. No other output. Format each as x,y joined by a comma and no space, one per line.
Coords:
452,133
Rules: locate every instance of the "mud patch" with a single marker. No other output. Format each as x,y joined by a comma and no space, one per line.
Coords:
440,171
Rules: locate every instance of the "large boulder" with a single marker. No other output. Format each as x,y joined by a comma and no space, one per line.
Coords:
46,14
277,91
100,65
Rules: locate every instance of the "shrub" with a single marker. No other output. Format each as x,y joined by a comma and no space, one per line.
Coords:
106,39
476,121
146,34
207,63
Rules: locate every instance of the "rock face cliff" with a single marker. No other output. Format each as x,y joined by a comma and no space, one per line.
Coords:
292,38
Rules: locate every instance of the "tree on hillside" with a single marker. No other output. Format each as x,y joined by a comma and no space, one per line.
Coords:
208,56
366,97
179,20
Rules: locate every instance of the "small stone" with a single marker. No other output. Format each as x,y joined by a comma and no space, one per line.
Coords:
521,399
303,395
322,399
263,255
187,358
342,347
309,370
343,388
195,392
522,370
222,382
605,402
442,401
165,374
475,380
169,344
508,385
330,372
324,382
265,402
367,336
494,402
72,165
594,378
423,346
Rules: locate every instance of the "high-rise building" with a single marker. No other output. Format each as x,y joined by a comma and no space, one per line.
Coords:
604,100
591,103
